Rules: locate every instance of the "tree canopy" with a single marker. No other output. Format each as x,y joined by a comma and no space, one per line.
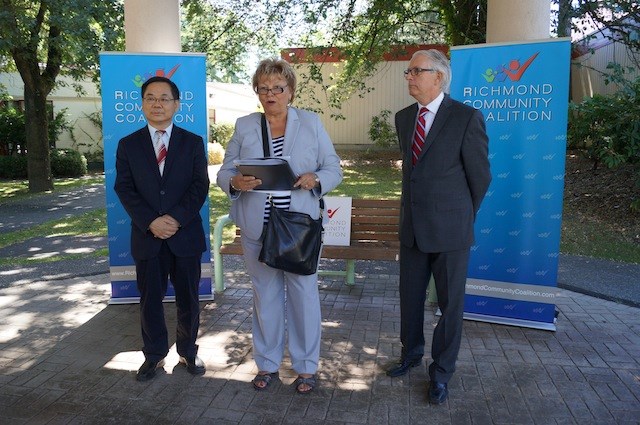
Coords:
46,39
614,20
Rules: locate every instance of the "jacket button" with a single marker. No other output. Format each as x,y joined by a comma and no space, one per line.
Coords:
162,192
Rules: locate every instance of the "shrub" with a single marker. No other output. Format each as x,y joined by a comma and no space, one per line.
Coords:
221,133
67,163
381,132
58,125
215,152
94,156
12,130
13,137
13,167
607,127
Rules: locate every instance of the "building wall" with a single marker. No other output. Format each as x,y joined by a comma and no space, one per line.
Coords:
389,93
587,69
228,102
88,137
225,102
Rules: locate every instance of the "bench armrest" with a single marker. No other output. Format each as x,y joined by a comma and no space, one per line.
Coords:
217,257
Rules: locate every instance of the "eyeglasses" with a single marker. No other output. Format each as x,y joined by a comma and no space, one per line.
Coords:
274,90
415,71
164,101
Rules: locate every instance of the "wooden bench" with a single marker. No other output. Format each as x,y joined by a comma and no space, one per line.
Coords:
374,236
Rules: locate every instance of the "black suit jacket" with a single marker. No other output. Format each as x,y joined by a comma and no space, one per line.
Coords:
179,192
442,193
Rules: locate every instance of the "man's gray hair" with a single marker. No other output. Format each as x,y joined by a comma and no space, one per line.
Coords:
440,63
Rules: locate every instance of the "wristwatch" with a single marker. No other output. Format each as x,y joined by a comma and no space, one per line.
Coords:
235,189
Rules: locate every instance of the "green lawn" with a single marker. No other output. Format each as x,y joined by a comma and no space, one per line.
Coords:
14,189
362,179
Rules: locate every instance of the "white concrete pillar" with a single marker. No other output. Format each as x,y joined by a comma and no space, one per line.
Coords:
517,20
152,26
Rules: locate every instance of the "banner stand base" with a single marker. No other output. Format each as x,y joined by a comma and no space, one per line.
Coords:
510,321
507,321
136,300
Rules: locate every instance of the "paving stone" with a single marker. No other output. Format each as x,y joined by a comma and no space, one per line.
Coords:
84,365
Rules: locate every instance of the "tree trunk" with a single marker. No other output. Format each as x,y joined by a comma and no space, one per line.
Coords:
466,21
564,18
38,160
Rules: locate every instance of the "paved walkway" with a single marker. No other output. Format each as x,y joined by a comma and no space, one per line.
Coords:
27,212
66,356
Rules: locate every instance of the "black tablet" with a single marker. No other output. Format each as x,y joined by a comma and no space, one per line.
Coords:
276,173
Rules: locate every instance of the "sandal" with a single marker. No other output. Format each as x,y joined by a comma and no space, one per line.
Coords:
300,381
267,378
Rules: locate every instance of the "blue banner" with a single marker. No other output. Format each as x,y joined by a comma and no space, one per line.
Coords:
523,91
122,76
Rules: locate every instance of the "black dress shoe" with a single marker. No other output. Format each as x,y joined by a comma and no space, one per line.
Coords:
402,367
438,392
195,365
148,370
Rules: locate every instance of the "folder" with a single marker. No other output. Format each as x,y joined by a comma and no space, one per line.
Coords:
276,173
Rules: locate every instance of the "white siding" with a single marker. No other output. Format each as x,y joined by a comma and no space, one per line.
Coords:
225,102
228,102
88,137
390,92
586,77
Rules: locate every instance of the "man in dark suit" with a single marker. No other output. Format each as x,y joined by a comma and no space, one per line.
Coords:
162,182
445,175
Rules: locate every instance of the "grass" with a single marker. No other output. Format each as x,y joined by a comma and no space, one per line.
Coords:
16,189
376,182
589,237
93,223
362,179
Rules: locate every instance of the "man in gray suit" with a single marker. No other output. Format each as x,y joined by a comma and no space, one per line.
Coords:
445,175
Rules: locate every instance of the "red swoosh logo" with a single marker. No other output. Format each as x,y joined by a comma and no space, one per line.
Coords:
515,76
330,213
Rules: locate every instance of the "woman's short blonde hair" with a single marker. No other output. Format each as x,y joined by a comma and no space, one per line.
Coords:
277,67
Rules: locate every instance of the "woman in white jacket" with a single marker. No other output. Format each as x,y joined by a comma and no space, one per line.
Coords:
300,136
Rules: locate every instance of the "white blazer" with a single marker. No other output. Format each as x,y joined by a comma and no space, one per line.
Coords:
310,149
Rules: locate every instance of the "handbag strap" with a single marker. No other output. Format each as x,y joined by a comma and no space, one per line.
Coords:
265,137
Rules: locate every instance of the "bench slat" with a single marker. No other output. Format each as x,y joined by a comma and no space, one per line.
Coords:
374,234
374,221
370,237
373,212
375,203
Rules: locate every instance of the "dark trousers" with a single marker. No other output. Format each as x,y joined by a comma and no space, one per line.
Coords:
450,274
152,282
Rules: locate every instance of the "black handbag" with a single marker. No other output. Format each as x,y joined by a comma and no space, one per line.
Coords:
291,241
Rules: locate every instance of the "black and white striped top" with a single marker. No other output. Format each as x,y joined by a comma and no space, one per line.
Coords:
279,201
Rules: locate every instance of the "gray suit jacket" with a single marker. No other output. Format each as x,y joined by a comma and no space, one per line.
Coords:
310,149
442,193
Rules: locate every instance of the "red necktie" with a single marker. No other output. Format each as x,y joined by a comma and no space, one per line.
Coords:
418,136
161,148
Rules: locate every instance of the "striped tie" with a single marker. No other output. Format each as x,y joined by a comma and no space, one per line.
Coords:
418,136
161,149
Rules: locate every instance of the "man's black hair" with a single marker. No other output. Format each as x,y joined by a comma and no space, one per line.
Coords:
174,88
